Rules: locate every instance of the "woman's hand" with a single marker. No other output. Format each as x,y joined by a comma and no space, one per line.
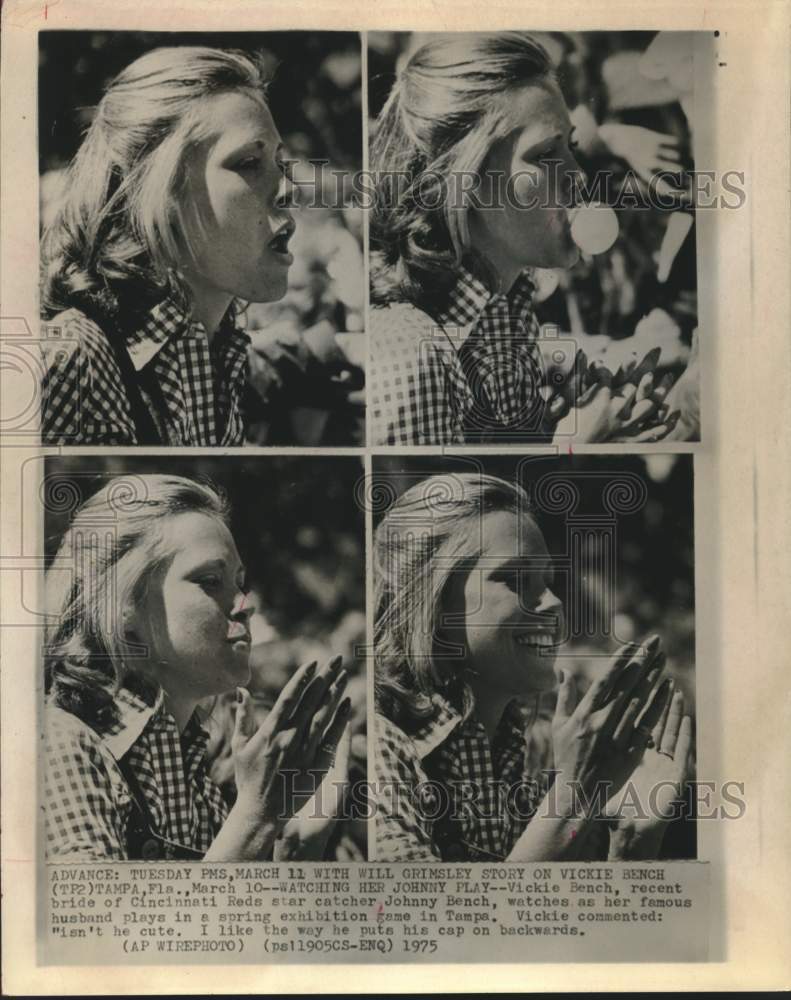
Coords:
305,835
278,764
595,739
642,809
648,152
596,405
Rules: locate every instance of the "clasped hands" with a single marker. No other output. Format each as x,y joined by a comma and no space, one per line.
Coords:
292,769
624,746
593,404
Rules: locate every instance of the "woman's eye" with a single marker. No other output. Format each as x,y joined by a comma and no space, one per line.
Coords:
549,157
248,163
210,581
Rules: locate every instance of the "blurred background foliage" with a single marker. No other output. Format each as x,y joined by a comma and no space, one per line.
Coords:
306,568
631,100
651,590
308,352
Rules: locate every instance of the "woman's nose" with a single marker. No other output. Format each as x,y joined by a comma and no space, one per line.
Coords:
575,178
243,609
549,603
286,192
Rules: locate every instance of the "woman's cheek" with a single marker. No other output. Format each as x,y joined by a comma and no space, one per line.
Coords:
199,624
526,188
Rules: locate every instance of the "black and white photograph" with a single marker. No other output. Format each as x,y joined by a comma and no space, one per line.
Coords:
533,266
202,274
203,679
534,658
395,545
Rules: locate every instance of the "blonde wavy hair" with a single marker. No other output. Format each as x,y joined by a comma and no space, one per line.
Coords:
105,564
429,533
449,104
116,238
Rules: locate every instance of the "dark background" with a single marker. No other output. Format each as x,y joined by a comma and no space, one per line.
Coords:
603,298
654,565
301,536
314,96
315,99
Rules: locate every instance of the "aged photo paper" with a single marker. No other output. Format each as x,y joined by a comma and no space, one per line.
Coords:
395,488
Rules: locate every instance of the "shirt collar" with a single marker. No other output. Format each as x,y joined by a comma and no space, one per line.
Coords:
135,715
437,729
470,296
169,319
446,719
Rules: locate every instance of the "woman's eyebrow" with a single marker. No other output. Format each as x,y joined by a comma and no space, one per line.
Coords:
536,145
217,563
246,143
525,564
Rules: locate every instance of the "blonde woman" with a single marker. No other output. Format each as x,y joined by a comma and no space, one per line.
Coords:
150,620
473,158
175,208
467,629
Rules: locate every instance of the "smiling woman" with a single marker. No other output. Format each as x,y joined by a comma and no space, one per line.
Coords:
175,208
467,630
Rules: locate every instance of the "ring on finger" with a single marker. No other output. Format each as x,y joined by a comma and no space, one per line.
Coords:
666,753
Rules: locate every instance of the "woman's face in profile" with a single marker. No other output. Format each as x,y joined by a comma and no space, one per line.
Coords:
512,619
193,617
236,219
537,169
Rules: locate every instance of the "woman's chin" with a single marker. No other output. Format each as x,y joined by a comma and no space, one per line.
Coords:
540,674
561,257
568,254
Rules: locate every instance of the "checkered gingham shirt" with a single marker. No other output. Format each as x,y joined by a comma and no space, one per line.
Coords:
475,370
462,758
83,396
87,800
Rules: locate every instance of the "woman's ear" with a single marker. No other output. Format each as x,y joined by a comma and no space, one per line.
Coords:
131,631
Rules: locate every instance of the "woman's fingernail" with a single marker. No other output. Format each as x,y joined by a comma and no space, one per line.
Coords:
335,662
239,695
345,705
310,670
561,676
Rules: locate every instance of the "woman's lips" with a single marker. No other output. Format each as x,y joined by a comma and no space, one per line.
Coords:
279,244
240,635
286,259
536,640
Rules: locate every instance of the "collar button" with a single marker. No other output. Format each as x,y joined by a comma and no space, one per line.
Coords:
454,851
150,850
